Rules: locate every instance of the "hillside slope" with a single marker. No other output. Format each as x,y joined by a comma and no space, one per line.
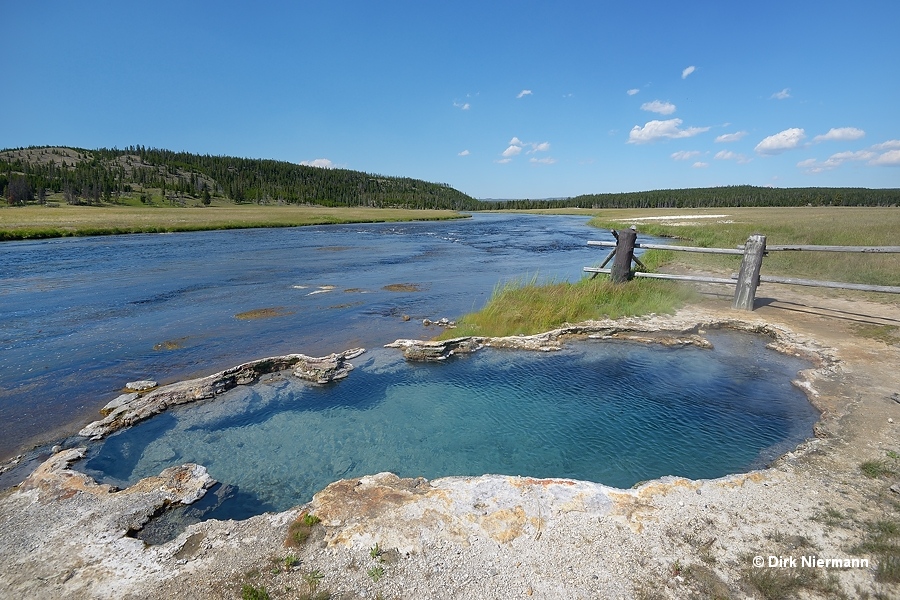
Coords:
149,175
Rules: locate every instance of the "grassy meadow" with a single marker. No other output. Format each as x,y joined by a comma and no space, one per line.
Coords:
526,307
34,221
834,226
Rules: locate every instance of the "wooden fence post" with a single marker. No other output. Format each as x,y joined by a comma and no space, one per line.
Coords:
621,268
748,276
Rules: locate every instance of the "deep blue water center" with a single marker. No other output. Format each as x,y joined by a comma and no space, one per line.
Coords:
610,412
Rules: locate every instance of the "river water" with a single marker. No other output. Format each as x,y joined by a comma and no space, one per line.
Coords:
80,317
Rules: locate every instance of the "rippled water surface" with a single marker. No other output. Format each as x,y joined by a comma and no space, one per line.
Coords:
610,412
80,317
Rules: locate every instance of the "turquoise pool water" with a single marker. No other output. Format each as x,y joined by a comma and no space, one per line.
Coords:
611,412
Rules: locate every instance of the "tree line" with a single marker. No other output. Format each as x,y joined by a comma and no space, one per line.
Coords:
92,176
105,175
719,197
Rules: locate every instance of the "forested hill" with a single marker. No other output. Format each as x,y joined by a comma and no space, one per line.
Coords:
719,197
152,176
91,176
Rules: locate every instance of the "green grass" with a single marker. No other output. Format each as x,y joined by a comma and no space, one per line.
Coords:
882,542
250,592
881,467
526,308
300,530
875,468
376,573
888,334
833,226
523,307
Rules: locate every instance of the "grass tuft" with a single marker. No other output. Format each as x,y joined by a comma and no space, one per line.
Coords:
521,307
250,592
875,468
300,530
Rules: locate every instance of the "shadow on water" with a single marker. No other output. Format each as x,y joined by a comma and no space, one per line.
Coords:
120,454
221,502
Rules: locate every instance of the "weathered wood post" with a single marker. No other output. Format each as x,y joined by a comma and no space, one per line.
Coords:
621,268
748,276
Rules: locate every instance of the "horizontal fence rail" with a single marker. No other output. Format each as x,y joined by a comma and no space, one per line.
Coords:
697,278
739,251
862,287
747,280
863,249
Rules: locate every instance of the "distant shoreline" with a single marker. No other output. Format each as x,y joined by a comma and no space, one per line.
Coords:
42,222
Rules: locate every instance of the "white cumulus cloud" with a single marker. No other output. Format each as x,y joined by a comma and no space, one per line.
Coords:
729,155
812,165
888,145
632,91
781,141
782,95
658,106
543,161
840,134
891,158
659,130
516,146
685,154
503,161
731,137
323,163
884,154
688,71
524,93
462,105
463,153
700,165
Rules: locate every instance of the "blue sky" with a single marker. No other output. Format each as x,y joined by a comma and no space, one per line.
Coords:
498,99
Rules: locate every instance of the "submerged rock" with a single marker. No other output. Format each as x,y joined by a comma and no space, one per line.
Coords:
128,409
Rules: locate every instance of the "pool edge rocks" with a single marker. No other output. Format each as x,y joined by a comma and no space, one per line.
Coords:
133,407
487,536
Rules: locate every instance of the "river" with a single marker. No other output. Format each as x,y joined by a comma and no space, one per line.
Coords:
80,317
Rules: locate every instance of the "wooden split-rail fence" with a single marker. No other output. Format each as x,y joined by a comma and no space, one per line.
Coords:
748,278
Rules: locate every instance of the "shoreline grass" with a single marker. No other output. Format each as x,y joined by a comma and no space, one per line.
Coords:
526,307
42,222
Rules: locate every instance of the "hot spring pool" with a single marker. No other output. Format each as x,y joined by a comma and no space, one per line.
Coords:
610,412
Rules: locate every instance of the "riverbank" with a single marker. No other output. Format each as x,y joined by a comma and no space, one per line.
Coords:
510,537
39,222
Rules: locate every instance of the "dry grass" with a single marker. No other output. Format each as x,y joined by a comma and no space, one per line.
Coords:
838,226
29,222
